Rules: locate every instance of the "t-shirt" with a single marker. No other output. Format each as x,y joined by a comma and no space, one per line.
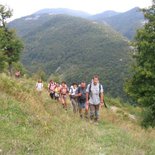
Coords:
72,91
39,86
64,90
82,98
94,96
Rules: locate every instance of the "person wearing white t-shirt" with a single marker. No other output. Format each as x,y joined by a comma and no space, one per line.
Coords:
39,86
94,98
72,94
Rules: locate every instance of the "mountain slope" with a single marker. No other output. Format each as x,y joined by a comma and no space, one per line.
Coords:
78,48
24,24
34,124
126,23
28,24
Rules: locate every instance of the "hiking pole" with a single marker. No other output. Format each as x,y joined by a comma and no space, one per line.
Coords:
105,104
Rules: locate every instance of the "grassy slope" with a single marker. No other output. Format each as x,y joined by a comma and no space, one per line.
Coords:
33,124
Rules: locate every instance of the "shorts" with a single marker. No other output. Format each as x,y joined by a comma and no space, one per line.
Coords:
56,95
82,105
64,96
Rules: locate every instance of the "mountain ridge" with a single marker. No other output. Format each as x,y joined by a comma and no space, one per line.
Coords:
105,14
126,23
65,11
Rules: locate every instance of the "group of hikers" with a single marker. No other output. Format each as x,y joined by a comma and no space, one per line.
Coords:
84,98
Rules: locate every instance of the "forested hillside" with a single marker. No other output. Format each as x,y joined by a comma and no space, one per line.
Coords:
76,48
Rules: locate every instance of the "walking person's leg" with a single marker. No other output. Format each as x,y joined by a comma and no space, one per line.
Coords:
62,100
52,95
77,106
92,112
80,112
97,112
86,114
74,105
80,109
65,101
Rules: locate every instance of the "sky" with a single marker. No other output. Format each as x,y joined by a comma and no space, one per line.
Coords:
26,7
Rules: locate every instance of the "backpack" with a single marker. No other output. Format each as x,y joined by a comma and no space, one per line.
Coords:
71,90
56,90
52,87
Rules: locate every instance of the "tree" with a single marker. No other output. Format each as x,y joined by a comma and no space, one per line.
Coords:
10,45
5,13
142,84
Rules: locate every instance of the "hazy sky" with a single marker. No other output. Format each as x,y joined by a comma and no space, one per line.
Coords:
27,7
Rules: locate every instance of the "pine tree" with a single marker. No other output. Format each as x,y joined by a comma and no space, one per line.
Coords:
142,84
10,45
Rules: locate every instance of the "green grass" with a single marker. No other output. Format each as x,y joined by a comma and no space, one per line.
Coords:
34,124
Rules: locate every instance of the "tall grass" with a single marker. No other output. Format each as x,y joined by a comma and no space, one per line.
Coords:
34,124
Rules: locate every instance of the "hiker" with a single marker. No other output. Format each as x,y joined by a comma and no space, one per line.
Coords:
63,94
57,92
51,87
81,94
72,93
39,86
94,98
17,74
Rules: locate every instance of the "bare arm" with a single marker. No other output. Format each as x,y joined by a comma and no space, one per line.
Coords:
101,99
87,97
